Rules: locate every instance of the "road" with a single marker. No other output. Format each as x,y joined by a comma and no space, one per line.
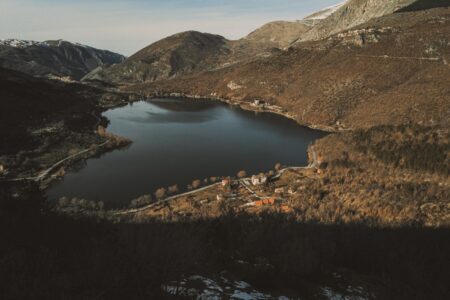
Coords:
242,182
46,172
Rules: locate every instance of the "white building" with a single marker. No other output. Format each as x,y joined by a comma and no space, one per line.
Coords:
259,179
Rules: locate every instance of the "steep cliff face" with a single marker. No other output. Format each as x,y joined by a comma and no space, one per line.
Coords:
54,58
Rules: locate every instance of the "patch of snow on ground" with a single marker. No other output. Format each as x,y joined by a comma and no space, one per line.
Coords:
200,287
333,295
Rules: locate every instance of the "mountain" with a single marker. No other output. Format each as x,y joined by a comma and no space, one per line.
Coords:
350,14
390,70
193,52
54,58
179,54
280,33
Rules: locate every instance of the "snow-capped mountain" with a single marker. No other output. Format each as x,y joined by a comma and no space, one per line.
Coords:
58,58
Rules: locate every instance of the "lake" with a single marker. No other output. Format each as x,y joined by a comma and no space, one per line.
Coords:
176,141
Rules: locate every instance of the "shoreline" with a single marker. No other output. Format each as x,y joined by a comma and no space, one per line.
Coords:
48,176
247,106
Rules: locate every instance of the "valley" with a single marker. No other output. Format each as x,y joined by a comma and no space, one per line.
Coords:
308,159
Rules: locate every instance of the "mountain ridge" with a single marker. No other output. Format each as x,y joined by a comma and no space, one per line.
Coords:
54,58
365,76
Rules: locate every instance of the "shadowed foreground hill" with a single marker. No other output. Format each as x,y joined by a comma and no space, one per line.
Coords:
27,102
391,70
43,121
49,256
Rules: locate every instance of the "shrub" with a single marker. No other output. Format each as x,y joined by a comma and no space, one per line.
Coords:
242,174
196,184
160,193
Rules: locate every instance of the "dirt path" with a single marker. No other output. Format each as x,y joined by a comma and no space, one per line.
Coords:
404,57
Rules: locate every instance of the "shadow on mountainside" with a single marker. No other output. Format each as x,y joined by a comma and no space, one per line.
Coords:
425,4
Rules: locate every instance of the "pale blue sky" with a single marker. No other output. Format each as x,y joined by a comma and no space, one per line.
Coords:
127,26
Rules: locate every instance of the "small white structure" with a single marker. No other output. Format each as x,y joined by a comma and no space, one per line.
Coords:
279,190
258,102
2,169
259,179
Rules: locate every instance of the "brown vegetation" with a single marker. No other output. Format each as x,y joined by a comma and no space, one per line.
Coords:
242,174
160,193
391,70
196,184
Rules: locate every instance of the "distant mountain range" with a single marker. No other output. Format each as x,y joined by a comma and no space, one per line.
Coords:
192,52
57,58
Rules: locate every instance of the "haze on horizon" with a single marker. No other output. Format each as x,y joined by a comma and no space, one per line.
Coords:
127,26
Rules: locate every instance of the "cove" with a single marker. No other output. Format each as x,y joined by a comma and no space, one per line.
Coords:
176,141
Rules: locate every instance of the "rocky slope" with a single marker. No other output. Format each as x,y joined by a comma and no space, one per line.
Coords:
193,52
390,70
353,13
325,13
280,34
54,58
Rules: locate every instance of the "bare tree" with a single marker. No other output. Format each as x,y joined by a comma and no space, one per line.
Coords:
196,184
277,167
173,189
160,193
242,174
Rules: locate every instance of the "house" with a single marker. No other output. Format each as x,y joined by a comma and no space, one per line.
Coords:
259,179
258,102
2,169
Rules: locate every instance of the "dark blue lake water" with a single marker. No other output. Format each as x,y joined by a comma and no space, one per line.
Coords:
176,141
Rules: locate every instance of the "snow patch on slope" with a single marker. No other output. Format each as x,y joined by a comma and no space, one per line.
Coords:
326,12
18,43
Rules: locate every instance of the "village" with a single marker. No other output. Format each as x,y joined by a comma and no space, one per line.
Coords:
265,192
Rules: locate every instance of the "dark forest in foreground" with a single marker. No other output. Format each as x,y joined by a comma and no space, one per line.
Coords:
50,256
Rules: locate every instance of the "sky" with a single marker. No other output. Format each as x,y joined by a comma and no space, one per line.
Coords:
127,26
